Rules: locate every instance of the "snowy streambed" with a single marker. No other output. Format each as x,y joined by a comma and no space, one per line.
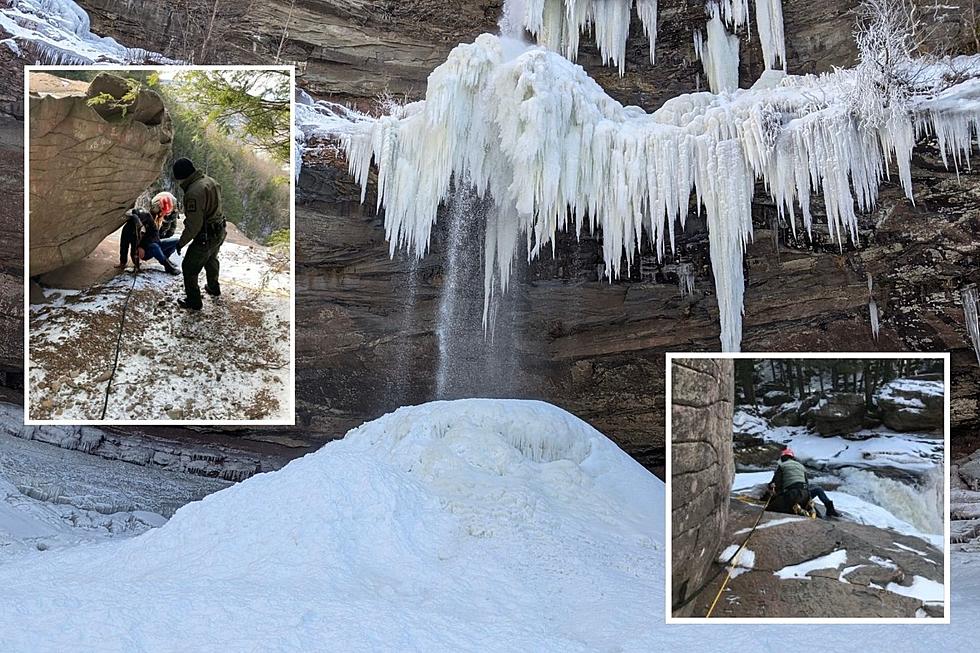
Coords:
52,498
228,361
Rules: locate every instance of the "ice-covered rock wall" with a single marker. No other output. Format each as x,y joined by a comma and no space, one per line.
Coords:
556,153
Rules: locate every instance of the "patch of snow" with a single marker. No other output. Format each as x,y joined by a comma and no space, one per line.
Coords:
771,523
924,589
747,480
830,561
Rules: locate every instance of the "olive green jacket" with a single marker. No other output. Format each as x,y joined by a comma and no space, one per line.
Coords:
788,472
202,204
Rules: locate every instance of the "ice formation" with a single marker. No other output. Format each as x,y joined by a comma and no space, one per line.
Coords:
59,32
557,24
873,308
718,52
969,296
769,23
555,152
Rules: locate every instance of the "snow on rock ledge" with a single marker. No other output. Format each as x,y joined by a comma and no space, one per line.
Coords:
470,525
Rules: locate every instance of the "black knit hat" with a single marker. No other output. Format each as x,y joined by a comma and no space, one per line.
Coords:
183,168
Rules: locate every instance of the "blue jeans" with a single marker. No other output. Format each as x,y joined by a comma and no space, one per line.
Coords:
161,251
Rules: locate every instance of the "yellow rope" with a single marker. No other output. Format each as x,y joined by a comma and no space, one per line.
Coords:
734,559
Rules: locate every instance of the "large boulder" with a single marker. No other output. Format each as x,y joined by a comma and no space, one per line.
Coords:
912,404
702,468
86,168
838,414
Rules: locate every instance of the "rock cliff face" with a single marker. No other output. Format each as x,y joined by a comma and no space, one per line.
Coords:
591,347
702,469
89,163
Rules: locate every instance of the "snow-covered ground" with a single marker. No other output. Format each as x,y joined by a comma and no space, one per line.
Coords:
477,525
473,525
230,361
52,498
879,448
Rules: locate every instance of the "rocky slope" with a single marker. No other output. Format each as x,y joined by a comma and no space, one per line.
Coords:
842,569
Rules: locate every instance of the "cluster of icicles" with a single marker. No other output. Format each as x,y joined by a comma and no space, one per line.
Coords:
558,24
555,152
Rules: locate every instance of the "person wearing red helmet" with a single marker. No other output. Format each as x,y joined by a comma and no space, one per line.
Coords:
789,486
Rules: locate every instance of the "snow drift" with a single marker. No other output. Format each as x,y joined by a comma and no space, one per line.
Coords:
468,525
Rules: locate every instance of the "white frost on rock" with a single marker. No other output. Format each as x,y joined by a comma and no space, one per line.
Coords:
59,32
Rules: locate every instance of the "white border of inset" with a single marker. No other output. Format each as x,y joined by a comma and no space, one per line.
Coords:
671,620
290,419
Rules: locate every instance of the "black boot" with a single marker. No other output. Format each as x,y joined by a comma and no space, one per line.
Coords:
183,303
214,292
170,269
831,512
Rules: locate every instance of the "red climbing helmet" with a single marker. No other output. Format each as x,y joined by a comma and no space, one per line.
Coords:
788,452
163,203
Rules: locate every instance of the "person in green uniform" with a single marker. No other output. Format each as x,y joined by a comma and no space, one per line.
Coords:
789,486
204,229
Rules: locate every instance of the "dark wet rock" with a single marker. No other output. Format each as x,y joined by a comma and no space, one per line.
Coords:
838,413
776,398
702,467
786,417
912,405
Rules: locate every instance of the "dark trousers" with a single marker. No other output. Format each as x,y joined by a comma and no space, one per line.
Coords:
785,500
202,255
127,247
820,494
161,250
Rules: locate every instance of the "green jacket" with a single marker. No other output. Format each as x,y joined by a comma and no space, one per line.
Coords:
788,472
202,205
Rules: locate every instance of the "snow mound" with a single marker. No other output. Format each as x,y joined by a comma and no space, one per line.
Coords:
468,525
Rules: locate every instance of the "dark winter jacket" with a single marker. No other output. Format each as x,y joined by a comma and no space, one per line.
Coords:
151,234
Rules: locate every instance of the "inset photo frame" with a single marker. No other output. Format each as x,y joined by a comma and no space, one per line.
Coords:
808,488
159,222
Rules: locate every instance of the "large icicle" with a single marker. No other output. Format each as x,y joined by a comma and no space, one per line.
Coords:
769,23
718,54
873,309
969,297
555,152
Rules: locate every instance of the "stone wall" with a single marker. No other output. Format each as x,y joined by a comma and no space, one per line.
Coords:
702,469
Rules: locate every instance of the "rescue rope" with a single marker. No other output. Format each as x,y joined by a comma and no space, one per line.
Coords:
734,557
700,589
115,362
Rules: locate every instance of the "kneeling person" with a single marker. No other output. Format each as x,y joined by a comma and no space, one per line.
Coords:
204,229
789,486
